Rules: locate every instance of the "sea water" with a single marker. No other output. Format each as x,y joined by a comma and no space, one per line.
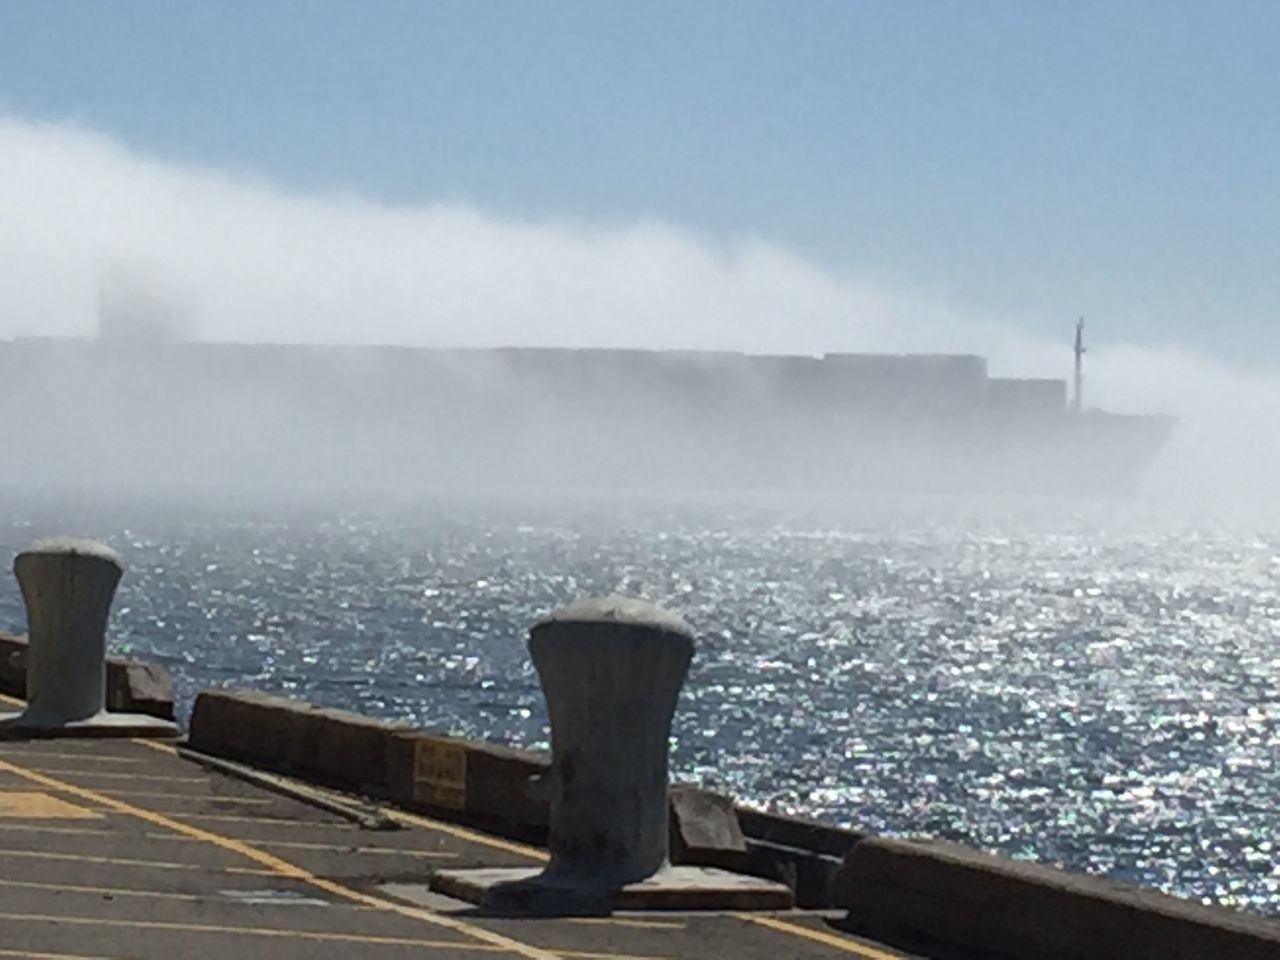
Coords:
1090,685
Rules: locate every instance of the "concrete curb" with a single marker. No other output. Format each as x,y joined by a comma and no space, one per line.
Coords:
483,784
494,788
317,743
931,894
466,780
132,686
804,854
800,833
936,893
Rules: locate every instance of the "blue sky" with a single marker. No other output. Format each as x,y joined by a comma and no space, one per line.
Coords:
1029,160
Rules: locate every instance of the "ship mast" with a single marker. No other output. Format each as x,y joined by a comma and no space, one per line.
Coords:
1079,381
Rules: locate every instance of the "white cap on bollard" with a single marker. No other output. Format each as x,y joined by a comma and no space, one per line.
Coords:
76,546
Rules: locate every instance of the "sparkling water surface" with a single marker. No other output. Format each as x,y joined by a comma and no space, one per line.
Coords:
1094,686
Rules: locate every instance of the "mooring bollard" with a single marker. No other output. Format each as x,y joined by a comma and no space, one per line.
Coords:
67,587
611,670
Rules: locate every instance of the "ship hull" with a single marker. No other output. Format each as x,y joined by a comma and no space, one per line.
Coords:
281,416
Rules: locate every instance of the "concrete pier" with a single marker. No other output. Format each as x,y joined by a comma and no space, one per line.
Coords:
114,849
123,848
143,849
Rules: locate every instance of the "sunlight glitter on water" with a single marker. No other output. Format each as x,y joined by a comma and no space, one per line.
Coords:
1102,695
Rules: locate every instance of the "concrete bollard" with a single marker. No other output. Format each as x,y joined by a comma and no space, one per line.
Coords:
611,670
67,587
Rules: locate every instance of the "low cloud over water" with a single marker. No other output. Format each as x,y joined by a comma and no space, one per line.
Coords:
234,257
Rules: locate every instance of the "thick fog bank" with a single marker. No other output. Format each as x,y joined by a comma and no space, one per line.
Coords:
225,257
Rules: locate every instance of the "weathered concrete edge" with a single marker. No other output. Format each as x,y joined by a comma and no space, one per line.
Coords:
498,789
801,833
468,781
323,745
922,894
133,686
804,854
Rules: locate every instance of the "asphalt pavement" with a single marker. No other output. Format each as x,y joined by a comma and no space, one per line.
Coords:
125,849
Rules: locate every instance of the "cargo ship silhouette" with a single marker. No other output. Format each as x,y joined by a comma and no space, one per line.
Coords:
138,406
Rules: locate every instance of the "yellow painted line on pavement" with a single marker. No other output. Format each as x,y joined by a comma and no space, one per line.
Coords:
87,757
102,775
272,932
41,828
589,955
273,821
103,891
81,858
162,795
215,896
30,955
336,847
848,945
124,862
24,805
493,940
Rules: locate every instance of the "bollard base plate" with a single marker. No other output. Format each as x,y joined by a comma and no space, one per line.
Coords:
525,890
18,725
